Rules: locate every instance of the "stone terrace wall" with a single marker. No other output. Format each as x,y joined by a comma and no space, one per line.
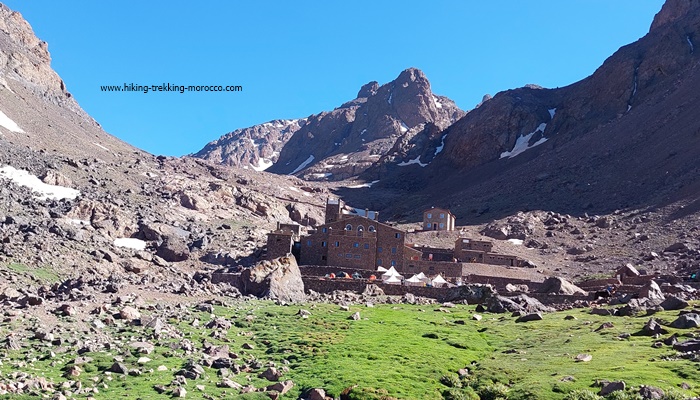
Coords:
500,283
322,270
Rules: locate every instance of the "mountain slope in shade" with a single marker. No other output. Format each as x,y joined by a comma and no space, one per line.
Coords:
344,142
626,136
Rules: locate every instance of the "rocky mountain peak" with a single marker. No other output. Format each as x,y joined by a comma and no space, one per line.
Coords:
367,90
25,58
673,10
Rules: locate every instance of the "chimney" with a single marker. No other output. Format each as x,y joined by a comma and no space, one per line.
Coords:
366,212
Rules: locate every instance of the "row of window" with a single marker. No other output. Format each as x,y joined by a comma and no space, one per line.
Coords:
356,245
430,215
379,262
429,225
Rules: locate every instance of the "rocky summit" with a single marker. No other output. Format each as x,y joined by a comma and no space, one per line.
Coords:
537,246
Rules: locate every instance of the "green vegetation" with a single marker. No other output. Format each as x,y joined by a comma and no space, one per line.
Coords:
41,274
392,352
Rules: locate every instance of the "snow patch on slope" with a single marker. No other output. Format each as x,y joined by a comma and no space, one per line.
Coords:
263,164
438,149
404,127
303,165
9,124
522,144
552,111
414,161
363,185
130,243
43,190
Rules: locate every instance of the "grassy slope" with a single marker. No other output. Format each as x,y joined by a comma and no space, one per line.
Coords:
403,349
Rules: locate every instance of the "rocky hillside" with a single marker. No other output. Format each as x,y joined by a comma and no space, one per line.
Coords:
625,137
343,143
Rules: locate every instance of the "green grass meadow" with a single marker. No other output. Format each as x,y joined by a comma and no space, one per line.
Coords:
393,351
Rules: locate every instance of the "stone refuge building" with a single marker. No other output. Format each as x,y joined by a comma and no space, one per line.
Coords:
438,219
362,242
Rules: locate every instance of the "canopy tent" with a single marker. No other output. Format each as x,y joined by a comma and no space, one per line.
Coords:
415,280
438,281
391,272
422,277
392,280
381,269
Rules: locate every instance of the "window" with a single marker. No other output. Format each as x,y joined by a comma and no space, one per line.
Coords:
371,228
323,244
393,263
428,225
431,269
397,235
348,227
393,250
355,244
337,244
348,255
379,249
366,245
442,225
442,216
279,240
379,261
360,228
324,230
357,256
430,215
323,258
308,243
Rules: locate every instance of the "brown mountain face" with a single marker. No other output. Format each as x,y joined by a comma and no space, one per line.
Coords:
626,136
342,143
256,147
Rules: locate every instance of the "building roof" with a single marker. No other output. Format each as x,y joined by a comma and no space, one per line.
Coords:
434,209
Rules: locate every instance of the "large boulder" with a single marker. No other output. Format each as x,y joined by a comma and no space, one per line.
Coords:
559,285
653,292
278,279
521,303
687,321
173,249
472,293
519,226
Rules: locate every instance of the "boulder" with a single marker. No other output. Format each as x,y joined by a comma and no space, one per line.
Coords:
530,317
129,313
627,270
652,327
173,249
674,303
612,387
652,291
687,321
316,394
688,345
472,293
373,290
559,285
520,303
278,279
651,393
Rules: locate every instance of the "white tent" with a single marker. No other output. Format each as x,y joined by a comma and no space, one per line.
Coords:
381,269
392,280
439,281
422,277
391,272
415,280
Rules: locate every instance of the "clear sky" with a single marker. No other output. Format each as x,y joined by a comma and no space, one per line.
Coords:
294,59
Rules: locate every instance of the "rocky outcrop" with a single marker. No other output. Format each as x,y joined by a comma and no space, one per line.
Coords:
560,286
673,10
278,279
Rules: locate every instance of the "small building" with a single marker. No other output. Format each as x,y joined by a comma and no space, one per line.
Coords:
281,241
438,219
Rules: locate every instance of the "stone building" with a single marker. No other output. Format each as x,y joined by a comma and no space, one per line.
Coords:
282,241
479,251
349,240
438,219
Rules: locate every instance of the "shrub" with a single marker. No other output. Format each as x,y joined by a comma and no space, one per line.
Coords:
674,395
451,380
582,394
622,395
460,394
494,391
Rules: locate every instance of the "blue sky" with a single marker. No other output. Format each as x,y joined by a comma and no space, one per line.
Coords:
294,59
